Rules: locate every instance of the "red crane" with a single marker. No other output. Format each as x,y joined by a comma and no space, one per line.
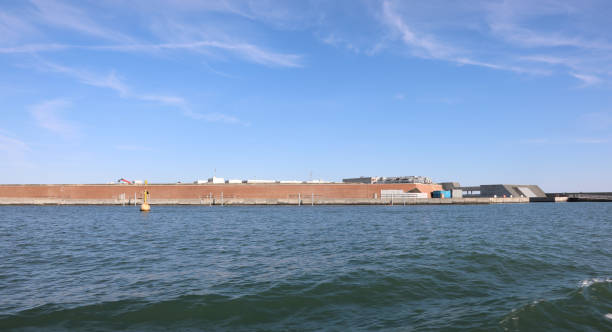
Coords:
124,180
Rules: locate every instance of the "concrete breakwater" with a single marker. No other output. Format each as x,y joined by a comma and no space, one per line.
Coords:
254,201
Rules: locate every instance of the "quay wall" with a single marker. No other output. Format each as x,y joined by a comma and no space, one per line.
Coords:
114,192
263,201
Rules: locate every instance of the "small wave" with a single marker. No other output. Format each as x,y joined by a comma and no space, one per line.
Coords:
278,307
589,282
587,305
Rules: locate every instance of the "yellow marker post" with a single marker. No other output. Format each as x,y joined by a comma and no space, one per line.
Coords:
145,207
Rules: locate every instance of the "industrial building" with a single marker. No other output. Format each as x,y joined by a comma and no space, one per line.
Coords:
496,190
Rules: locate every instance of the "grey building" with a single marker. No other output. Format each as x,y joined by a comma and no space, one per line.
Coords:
361,179
507,190
450,185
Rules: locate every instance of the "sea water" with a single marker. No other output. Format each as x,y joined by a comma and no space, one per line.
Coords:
520,267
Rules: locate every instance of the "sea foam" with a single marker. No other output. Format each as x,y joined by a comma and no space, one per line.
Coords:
589,282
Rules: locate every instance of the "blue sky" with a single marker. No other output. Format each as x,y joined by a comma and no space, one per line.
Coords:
472,91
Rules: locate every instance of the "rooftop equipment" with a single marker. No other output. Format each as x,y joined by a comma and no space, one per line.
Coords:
405,179
393,179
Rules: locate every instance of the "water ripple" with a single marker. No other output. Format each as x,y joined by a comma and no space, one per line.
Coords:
483,268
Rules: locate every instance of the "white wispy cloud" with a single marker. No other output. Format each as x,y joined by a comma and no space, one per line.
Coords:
12,28
217,117
591,140
12,145
34,48
113,82
424,46
13,153
576,43
178,36
510,20
429,47
499,35
110,81
529,38
550,60
246,51
286,15
47,115
506,67
62,15
334,40
163,99
587,79
504,35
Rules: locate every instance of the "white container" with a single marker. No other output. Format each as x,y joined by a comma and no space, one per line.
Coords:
260,181
233,181
216,180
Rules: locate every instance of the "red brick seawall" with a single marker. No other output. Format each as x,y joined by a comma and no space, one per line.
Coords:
193,191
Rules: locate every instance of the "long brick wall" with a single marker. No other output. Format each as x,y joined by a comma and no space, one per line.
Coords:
193,191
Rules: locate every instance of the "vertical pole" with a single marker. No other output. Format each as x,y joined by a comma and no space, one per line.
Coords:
221,198
391,199
210,200
299,199
134,198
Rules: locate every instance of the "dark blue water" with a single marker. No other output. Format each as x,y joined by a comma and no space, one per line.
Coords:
497,267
